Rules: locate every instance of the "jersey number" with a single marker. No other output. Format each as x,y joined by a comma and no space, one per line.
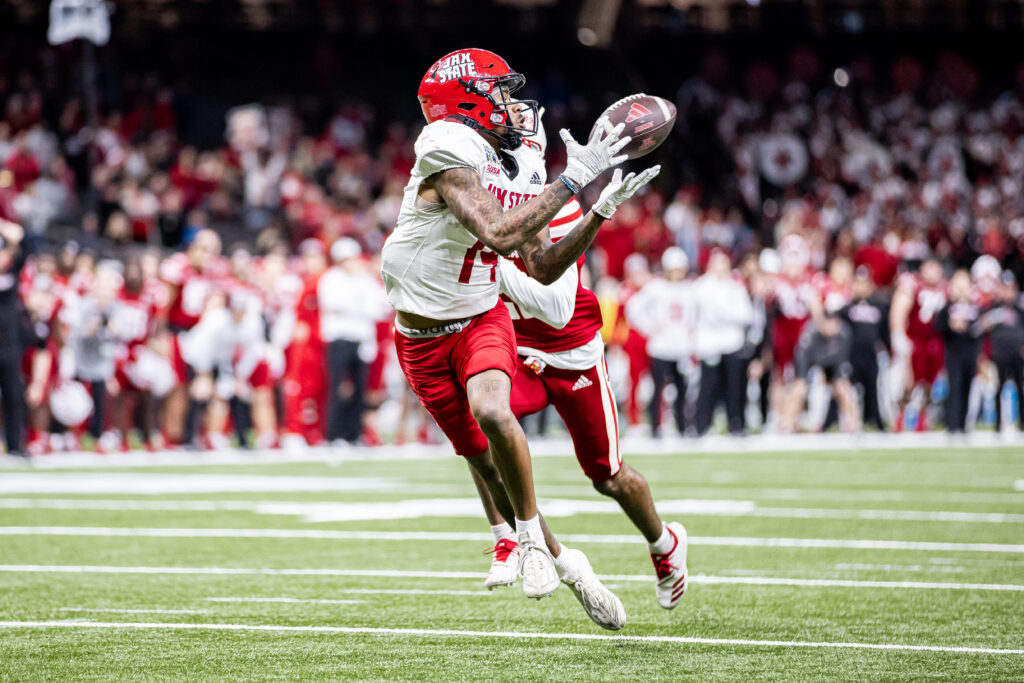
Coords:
487,258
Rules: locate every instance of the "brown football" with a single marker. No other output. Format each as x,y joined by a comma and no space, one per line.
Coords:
648,120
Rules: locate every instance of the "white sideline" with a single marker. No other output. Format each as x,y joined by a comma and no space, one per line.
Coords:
366,630
939,443
694,507
615,539
396,573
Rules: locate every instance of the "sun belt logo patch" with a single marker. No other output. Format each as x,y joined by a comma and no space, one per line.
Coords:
637,112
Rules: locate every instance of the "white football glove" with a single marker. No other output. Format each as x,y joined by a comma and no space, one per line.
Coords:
601,152
620,189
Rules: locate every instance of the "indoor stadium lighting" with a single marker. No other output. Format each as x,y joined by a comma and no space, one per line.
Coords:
597,22
587,36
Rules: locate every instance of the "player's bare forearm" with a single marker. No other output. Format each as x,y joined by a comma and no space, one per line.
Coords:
480,213
547,260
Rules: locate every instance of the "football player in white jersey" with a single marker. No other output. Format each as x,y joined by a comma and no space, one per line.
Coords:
562,364
454,338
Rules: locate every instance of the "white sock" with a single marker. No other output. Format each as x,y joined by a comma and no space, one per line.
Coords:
562,563
664,542
503,531
531,527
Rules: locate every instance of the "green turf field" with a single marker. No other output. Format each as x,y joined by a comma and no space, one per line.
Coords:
877,565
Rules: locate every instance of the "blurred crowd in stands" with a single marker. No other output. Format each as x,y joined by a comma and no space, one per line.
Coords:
827,250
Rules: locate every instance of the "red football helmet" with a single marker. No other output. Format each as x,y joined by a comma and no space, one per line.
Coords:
474,87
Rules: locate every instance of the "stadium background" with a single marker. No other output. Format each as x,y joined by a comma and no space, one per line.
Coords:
336,80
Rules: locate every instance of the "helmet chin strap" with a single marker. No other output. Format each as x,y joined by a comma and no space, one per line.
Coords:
509,140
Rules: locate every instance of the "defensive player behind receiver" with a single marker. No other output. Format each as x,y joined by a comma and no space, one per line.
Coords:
562,364
454,338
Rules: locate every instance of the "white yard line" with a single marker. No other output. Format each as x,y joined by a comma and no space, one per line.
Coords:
133,611
235,571
860,566
816,493
350,591
466,507
394,573
888,515
847,583
126,504
693,507
292,600
615,539
512,635
148,483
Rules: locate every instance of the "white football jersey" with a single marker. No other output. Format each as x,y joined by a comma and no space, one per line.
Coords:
524,182
431,265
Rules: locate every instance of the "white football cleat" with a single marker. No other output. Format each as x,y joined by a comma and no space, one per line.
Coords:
537,567
600,604
504,565
671,568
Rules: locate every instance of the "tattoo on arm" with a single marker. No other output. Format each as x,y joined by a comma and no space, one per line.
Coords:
547,260
480,213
